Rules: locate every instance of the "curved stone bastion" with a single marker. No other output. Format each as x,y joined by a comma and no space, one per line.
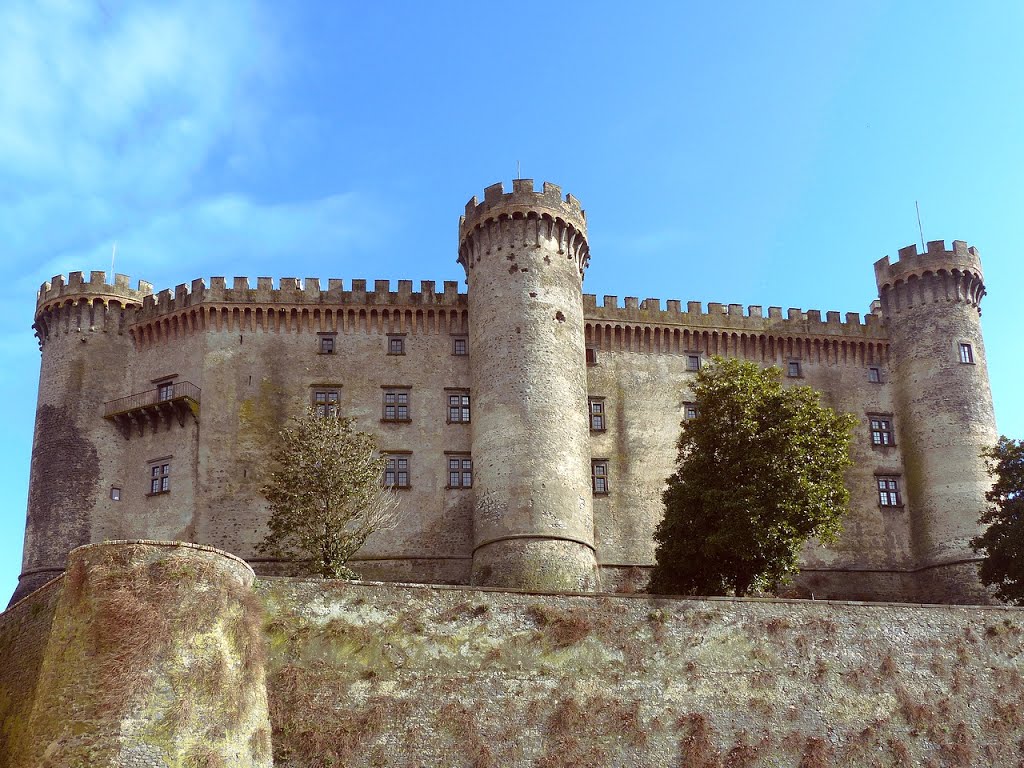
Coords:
148,654
154,656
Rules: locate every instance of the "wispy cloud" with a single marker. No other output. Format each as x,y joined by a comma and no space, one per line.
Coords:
124,121
233,234
120,97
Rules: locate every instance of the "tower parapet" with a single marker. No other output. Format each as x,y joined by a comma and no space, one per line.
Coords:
524,254
931,303
80,325
532,215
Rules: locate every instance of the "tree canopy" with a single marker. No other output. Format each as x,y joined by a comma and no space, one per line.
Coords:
759,472
1002,543
325,494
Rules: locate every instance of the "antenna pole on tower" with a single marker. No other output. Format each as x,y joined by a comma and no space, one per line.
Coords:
519,174
920,229
113,255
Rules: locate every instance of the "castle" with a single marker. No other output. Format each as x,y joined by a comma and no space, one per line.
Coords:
528,427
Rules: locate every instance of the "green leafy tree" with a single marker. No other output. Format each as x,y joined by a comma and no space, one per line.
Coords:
325,494
1003,541
760,471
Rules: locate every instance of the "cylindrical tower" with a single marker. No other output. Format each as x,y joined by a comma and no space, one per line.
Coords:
944,417
525,253
81,330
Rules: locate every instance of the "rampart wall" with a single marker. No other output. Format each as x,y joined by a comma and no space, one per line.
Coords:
395,675
251,348
143,654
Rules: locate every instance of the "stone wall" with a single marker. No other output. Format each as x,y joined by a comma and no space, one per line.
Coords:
254,353
24,632
393,675
151,653
154,657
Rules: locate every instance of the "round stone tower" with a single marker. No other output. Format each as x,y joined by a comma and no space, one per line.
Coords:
525,253
81,330
944,417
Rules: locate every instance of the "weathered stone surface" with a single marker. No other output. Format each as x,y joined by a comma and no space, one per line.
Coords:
254,353
150,653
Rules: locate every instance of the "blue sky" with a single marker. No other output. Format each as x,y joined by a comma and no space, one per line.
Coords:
749,152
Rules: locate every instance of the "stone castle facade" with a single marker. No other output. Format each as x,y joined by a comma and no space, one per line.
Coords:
529,426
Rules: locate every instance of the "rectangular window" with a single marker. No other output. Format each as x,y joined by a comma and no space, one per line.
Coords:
875,375
793,369
881,431
396,471
591,355
396,405
599,475
459,346
327,344
693,362
889,492
159,477
458,408
165,390
460,472
966,353
115,493
689,411
396,345
325,401
597,414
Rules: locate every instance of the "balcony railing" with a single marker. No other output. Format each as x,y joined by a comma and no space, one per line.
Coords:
153,406
182,390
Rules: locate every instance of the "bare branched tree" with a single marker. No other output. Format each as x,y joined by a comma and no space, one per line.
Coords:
325,494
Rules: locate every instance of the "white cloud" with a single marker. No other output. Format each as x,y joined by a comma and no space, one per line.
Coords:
232,234
112,115
121,98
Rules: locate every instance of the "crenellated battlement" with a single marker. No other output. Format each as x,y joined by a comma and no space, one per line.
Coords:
523,217
936,275
731,317
286,290
936,259
293,291
522,199
59,289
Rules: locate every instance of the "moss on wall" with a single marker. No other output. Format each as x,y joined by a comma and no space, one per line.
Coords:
24,630
375,675
149,654
155,657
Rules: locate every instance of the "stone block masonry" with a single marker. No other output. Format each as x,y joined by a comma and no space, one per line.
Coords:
365,674
196,383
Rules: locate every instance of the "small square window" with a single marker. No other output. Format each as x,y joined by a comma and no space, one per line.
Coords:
591,356
693,362
396,405
396,471
327,345
875,375
115,493
460,346
966,353
165,390
396,345
689,411
597,414
881,431
599,476
458,408
325,401
159,478
793,369
460,472
889,492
